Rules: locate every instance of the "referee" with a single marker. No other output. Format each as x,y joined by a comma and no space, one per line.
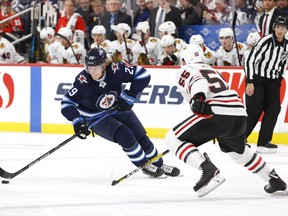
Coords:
264,68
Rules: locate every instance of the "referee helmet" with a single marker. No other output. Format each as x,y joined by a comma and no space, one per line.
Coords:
281,20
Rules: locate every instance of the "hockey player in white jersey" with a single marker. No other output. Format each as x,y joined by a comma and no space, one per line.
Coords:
217,112
170,56
227,52
74,53
52,47
99,38
251,41
120,49
145,45
8,54
209,56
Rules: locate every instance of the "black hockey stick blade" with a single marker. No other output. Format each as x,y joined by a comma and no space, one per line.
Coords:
115,182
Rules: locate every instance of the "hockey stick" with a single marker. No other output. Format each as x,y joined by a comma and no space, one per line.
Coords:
8,175
70,45
234,33
114,182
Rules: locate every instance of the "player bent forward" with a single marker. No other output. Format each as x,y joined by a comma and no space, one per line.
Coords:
96,90
218,112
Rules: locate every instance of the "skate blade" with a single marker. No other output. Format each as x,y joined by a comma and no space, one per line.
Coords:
215,182
159,177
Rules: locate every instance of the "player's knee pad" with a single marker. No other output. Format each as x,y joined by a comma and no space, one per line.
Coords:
242,158
125,137
172,142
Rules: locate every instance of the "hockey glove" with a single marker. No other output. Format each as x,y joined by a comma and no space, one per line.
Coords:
200,107
80,127
126,100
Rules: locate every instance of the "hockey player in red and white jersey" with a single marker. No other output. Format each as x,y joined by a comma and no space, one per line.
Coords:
209,56
99,38
170,56
217,113
227,52
120,49
251,41
8,54
73,53
145,44
53,48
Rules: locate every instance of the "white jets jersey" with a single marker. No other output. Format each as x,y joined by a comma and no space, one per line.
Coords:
195,78
121,47
230,58
53,52
152,46
105,44
8,54
76,57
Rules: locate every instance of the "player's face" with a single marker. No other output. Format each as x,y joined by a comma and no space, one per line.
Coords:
96,72
169,49
98,38
226,42
280,32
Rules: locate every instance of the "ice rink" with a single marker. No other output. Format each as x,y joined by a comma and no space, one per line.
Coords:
76,181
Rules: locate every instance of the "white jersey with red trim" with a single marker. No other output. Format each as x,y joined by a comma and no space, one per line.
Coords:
75,56
8,53
195,78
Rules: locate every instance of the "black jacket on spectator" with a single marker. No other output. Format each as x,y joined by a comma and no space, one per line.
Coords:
121,18
174,15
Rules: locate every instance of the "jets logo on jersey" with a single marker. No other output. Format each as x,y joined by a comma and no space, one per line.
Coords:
115,67
82,79
106,101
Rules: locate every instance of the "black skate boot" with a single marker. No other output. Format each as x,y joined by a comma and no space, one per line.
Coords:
210,178
170,170
275,183
153,171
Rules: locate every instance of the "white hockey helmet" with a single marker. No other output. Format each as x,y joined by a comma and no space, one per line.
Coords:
122,27
98,29
196,39
252,38
192,54
226,32
168,27
66,32
143,26
45,32
167,40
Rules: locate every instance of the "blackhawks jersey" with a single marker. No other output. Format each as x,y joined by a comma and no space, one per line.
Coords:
195,78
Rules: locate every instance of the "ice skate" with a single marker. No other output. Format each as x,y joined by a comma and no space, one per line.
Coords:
276,184
210,178
170,170
153,171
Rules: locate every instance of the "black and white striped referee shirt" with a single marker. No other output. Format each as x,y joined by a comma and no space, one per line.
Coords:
268,58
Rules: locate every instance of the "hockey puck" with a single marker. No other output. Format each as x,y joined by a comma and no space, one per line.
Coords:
5,182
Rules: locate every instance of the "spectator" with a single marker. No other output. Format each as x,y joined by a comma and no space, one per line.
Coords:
52,47
282,6
8,54
74,52
94,17
113,17
245,12
85,9
221,15
13,27
194,13
268,17
165,12
70,19
142,13
227,52
150,4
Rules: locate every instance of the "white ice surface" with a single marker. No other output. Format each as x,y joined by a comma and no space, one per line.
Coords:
76,180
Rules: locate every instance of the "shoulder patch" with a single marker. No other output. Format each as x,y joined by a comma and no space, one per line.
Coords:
208,55
2,46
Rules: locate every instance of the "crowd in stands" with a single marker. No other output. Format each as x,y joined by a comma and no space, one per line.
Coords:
136,32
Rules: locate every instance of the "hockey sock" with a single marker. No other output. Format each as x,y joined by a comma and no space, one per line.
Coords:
136,155
253,162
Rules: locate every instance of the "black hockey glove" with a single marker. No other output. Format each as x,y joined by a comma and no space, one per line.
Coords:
80,127
126,100
200,107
